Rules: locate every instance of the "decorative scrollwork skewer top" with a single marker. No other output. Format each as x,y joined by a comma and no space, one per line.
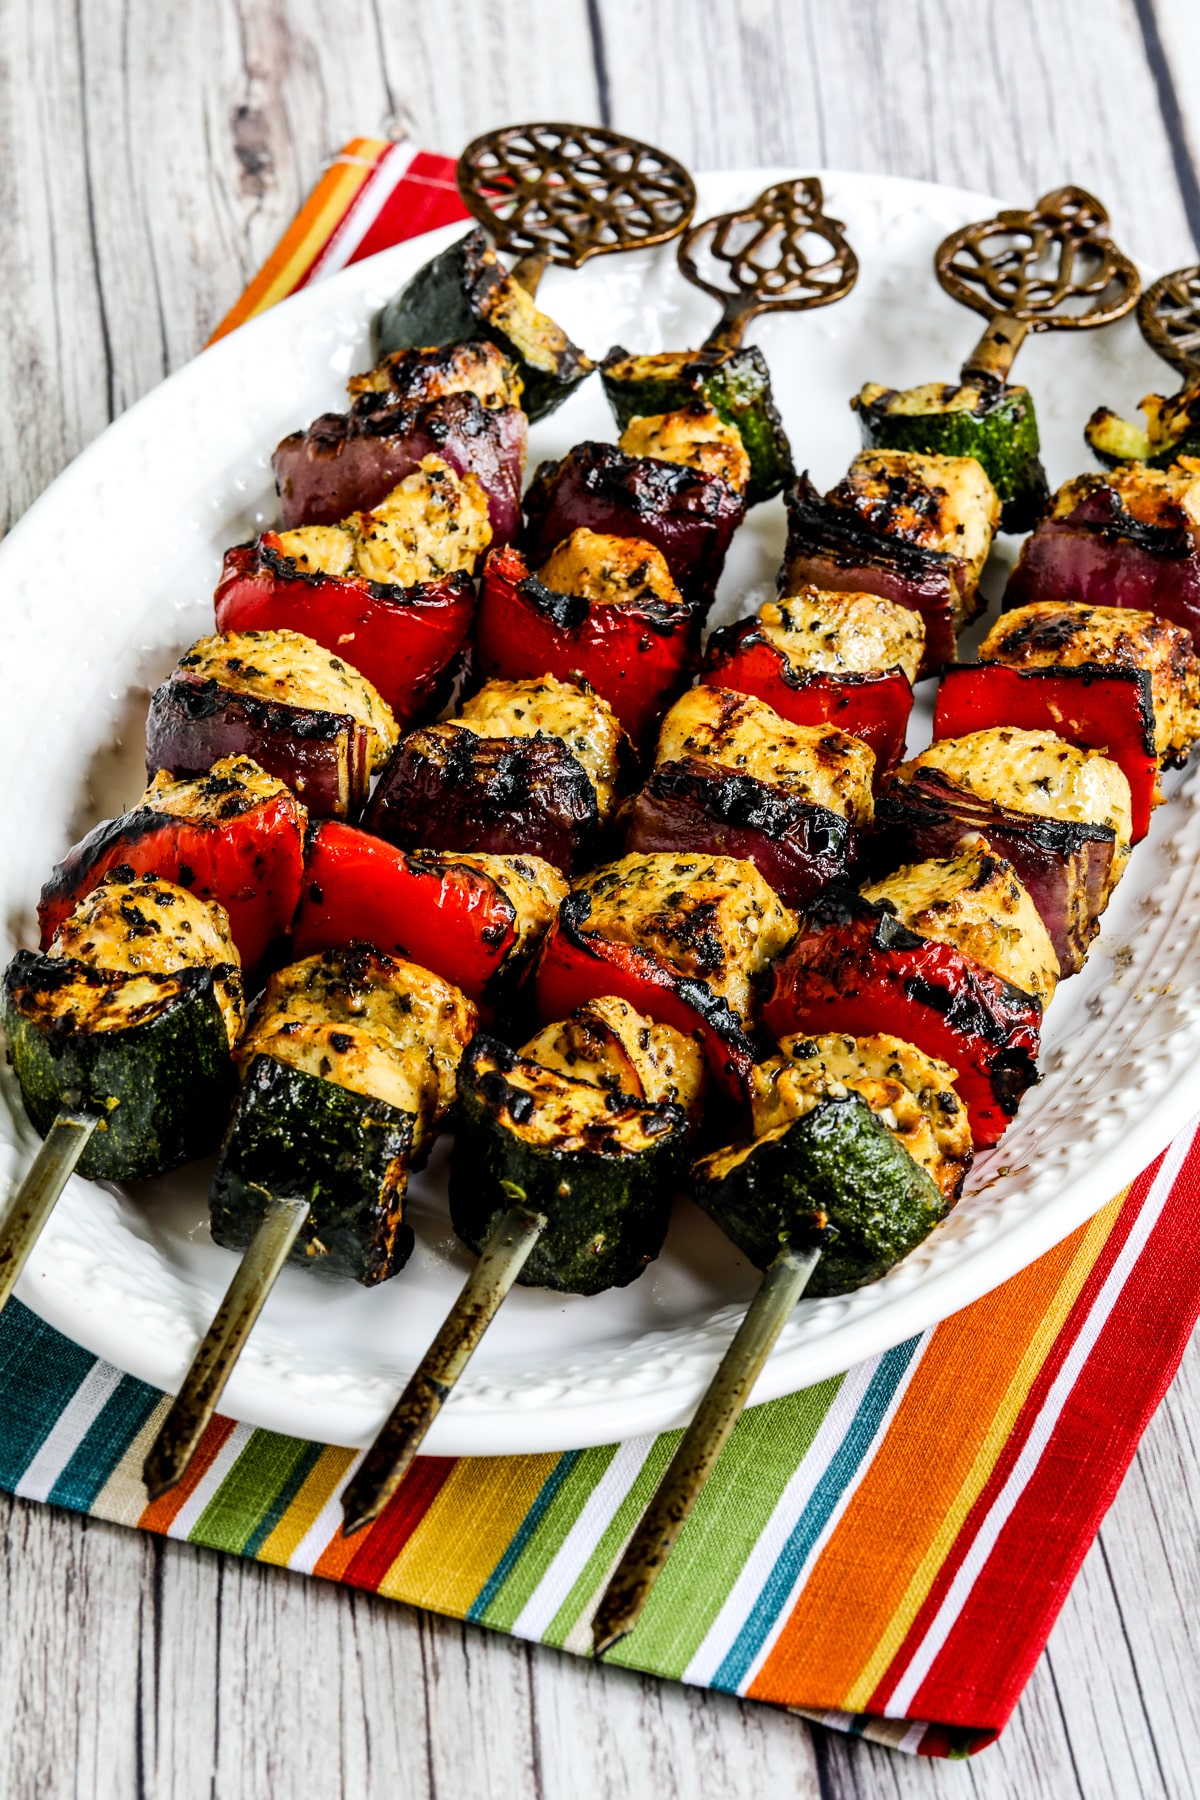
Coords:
1169,319
1053,268
563,193
781,252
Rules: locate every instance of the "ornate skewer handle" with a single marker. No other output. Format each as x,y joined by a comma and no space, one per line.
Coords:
1053,268
781,253
562,193
1169,319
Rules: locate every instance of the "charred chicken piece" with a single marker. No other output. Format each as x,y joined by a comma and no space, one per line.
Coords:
527,766
432,524
732,777
277,697
417,376
914,529
349,1066
475,920
350,462
589,1123
683,938
689,515
234,835
1060,815
983,418
826,657
131,1013
863,1136
601,609
1126,539
694,435
1051,634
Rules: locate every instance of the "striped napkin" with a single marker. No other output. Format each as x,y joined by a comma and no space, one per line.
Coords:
885,1552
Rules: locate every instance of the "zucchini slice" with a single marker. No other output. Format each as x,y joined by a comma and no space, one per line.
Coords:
836,1169
350,1064
1172,430
735,383
131,1014
993,423
466,293
599,1164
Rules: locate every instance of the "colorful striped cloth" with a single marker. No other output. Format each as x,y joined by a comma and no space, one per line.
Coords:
885,1552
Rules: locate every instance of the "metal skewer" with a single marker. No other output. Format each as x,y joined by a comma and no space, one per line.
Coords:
212,1365
1169,320
702,1443
37,1194
563,193
1052,268
781,253
386,1462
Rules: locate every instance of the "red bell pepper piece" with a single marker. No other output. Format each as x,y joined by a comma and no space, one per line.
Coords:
636,656
436,910
855,968
1092,706
689,515
406,641
872,706
576,965
251,860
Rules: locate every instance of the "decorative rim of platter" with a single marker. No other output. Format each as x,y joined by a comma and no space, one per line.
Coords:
184,472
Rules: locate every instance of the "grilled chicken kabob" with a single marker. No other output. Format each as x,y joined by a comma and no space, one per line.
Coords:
999,267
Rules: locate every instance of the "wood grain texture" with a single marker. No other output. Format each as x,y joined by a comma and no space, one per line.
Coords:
149,159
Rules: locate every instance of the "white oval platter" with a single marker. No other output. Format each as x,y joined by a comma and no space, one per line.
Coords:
110,575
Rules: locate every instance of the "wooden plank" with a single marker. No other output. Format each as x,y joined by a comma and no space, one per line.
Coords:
1008,99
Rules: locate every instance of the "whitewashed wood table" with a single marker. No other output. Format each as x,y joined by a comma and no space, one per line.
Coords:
150,155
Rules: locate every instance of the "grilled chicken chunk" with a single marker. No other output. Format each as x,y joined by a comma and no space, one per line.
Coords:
608,1043
1051,635
942,503
609,571
419,376
911,1093
534,887
860,633
816,763
581,720
975,901
696,436
1034,772
432,524
289,669
1165,498
368,1022
713,917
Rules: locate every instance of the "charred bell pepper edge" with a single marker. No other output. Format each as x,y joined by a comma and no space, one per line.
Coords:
575,966
948,1005
982,696
341,857
872,705
135,840
638,656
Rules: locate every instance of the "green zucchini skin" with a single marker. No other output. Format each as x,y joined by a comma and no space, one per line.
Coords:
607,1214
840,1161
293,1134
1002,434
161,1087
454,299
736,384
